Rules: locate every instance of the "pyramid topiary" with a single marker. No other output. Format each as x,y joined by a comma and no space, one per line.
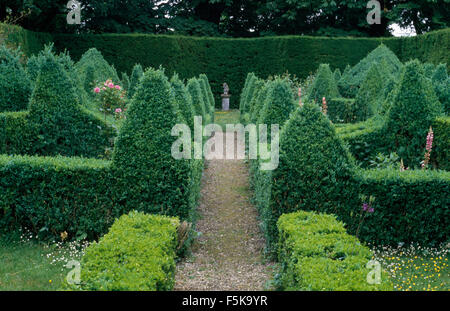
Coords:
428,69
184,100
125,79
249,94
243,97
209,91
337,75
352,80
258,105
197,100
259,84
324,85
136,75
279,103
441,84
102,70
370,95
35,62
15,87
314,171
204,92
414,108
151,179
57,120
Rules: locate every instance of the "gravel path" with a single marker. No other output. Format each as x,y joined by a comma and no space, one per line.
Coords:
228,254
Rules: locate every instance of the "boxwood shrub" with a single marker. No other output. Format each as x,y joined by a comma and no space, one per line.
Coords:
137,254
150,178
351,80
210,93
410,206
58,123
184,100
314,171
197,99
15,86
342,110
102,71
136,75
324,85
50,195
414,108
317,254
279,103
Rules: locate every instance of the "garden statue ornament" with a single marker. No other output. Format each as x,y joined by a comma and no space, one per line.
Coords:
225,97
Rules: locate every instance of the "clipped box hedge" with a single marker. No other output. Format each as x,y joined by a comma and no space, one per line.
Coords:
137,254
410,206
50,195
317,254
342,110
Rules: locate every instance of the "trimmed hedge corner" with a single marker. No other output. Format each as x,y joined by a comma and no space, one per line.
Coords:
137,254
317,254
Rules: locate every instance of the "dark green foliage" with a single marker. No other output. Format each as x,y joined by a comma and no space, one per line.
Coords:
136,75
35,63
259,100
249,94
184,100
16,136
414,108
254,104
102,70
279,103
48,196
300,55
205,97
410,206
428,69
197,100
370,95
15,87
145,241
244,91
337,75
150,178
352,80
212,103
441,84
342,110
311,244
314,171
125,81
441,143
59,126
324,85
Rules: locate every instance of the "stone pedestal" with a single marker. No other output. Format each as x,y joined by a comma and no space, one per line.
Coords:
225,101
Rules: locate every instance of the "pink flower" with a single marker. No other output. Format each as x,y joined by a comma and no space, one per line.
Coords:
111,85
117,87
118,110
97,90
103,88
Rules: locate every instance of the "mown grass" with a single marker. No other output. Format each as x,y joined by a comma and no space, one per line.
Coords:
416,268
28,265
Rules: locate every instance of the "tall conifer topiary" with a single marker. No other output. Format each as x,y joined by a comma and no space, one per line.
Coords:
15,87
184,100
279,103
414,108
314,171
197,100
151,179
136,75
324,85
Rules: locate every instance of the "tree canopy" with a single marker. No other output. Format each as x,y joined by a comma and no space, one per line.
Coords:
233,18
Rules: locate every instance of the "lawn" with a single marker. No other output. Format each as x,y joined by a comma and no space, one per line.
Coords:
33,266
223,118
